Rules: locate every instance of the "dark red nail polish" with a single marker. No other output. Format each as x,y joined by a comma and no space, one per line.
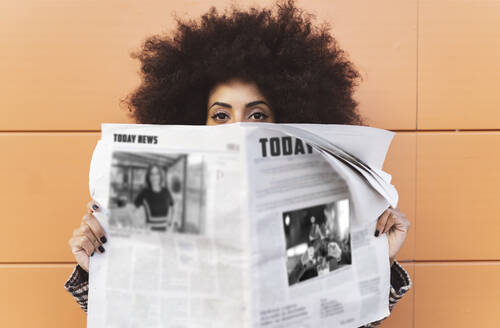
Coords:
376,233
101,249
103,240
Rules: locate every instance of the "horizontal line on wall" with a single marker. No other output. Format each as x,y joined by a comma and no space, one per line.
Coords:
447,130
37,263
47,131
447,261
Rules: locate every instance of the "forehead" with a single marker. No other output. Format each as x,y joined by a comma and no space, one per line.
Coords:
235,90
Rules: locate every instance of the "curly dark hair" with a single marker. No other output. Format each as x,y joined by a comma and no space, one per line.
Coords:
298,67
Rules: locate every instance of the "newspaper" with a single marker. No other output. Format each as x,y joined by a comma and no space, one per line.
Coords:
240,225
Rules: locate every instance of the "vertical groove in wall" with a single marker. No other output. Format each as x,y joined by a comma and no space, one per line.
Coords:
414,278
416,64
414,296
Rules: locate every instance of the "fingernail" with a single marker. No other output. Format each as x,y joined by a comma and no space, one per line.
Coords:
95,207
92,254
376,233
101,249
103,240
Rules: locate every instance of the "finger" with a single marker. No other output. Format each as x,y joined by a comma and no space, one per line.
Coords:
93,206
87,231
402,223
381,222
79,253
96,227
390,222
87,245
81,243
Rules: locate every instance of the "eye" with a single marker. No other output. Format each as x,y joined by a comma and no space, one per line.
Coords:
259,116
219,116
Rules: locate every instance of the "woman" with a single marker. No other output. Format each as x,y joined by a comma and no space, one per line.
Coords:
243,66
156,200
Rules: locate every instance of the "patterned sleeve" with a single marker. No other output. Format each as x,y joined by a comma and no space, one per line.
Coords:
400,284
78,286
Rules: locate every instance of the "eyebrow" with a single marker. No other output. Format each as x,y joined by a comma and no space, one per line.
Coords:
250,104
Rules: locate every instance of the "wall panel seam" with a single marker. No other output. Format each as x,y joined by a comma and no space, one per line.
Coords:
38,263
49,131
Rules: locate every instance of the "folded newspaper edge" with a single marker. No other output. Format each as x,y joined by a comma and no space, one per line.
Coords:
251,262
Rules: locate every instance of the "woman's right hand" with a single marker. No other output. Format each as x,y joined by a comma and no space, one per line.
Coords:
88,237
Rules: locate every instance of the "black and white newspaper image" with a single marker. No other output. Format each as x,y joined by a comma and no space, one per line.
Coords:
317,240
160,192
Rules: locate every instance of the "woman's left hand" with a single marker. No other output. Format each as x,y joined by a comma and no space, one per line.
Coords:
396,225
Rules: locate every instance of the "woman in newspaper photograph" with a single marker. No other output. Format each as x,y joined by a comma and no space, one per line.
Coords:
317,240
148,192
270,65
156,200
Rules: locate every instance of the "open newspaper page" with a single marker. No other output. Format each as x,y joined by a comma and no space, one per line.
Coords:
316,262
176,255
243,225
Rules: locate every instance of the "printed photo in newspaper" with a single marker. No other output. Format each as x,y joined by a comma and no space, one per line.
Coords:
160,192
317,240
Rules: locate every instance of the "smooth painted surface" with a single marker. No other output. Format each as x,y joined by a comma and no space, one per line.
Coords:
458,206
46,179
34,296
457,295
458,64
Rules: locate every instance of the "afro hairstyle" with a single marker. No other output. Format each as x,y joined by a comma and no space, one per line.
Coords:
298,67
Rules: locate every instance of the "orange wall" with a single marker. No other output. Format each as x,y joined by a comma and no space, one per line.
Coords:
431,73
